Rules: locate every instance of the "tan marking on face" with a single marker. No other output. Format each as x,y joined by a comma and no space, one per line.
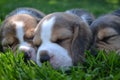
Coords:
37,40
30,24
108,40
61,33
106,32
62,36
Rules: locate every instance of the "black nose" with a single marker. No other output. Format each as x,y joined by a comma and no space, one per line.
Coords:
44,57
26,56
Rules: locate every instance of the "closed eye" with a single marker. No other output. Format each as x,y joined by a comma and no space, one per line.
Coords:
8,46
105,39
28,38
60,40
7,43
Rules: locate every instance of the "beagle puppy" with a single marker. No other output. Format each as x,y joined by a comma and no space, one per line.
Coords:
84,14
62,39
106,32
17,31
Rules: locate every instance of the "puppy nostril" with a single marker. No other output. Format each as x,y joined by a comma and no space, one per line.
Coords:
44,57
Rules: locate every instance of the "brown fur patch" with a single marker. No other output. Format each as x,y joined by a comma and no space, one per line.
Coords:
106,32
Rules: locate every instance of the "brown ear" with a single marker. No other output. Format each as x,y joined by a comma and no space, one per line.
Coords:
80,43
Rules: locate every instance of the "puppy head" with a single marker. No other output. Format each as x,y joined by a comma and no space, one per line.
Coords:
17,33
62,39
106,30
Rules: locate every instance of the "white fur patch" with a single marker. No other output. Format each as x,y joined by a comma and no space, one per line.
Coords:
23,45
58,55
20,35
19,31
47,29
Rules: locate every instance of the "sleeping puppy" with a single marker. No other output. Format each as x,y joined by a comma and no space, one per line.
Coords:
62,39
106,32
84,14
17,31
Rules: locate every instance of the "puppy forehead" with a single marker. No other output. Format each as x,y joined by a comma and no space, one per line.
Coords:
56,23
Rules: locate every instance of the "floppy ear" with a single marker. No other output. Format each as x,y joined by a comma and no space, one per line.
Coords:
81,40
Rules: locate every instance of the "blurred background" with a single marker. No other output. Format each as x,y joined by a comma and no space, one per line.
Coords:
97,7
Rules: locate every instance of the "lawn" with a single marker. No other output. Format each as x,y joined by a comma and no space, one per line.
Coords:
97,7
101,67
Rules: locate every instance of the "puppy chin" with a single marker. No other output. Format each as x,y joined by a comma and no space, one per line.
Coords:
58,56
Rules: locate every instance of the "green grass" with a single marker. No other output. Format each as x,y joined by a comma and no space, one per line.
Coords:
97,7
101,67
